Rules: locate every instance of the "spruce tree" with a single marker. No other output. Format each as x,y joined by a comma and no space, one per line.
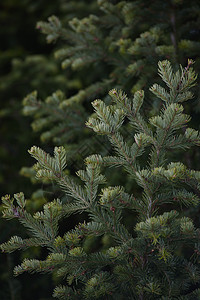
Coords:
156,258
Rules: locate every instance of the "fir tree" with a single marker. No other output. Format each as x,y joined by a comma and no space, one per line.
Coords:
157,258
110,45
116,35
22,70
116,41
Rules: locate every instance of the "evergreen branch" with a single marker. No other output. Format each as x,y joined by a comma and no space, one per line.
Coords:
122,149
172,120
72,189
132,112
17,243
144,264
166,73
73,208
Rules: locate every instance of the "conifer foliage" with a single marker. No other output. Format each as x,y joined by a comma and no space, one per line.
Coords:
116,43
158,257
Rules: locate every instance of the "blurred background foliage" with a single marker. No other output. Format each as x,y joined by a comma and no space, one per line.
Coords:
26,64
91,47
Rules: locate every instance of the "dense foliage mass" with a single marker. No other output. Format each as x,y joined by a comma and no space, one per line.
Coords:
158,257
101,46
